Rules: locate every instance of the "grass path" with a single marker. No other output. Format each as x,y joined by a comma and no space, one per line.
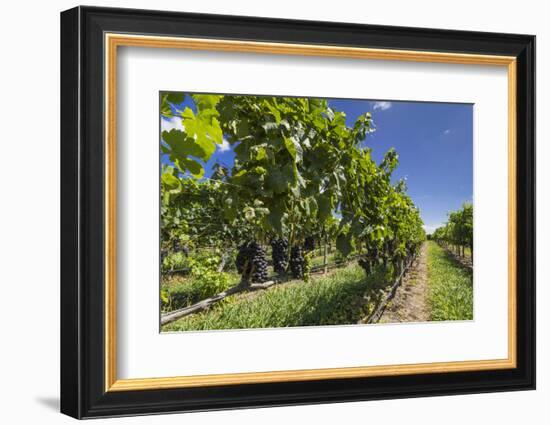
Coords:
410,303
451,288
436,288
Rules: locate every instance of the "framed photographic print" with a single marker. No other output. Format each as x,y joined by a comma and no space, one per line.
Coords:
261,212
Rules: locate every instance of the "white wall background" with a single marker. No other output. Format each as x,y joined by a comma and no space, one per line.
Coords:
29,212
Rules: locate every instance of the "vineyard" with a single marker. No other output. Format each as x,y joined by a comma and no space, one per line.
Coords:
457,235
302,228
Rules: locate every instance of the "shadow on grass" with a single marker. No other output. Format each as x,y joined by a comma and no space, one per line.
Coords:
455,261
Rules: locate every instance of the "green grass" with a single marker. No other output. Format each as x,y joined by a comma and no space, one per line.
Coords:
343,297
451,289
318,259
184,291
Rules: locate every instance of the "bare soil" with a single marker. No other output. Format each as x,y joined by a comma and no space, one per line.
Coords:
410,303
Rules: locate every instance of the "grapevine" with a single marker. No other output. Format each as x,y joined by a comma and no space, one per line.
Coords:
279,255
297,262
251,262
302,176
309,243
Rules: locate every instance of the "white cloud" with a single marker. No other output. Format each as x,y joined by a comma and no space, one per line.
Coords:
430,228
447,131
225,146
167,124
383,106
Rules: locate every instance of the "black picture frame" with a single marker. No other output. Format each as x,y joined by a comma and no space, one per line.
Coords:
82,212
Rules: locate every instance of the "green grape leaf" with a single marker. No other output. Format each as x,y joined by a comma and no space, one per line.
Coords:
175,97
182,146
190,165
344,244
294,148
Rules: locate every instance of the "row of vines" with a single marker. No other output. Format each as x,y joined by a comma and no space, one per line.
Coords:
302,180
457,234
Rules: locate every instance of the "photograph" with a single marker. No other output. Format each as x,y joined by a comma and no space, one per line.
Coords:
280,212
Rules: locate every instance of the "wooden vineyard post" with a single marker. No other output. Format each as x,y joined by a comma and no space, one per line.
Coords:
325,252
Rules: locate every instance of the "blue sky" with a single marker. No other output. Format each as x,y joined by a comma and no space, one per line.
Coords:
434,142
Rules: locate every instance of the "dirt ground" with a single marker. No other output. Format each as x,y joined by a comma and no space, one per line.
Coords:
410,303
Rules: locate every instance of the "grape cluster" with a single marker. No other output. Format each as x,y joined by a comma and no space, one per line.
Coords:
309,243
279,252
178,247
297,262
369,261
251,258
365,264
242,257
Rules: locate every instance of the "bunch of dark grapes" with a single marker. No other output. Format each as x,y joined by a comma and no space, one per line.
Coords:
259,261
365,264
309,243
297,262
243,256
368,261
251,258
178,247
279,252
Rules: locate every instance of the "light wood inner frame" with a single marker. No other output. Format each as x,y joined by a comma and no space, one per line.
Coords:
113,41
